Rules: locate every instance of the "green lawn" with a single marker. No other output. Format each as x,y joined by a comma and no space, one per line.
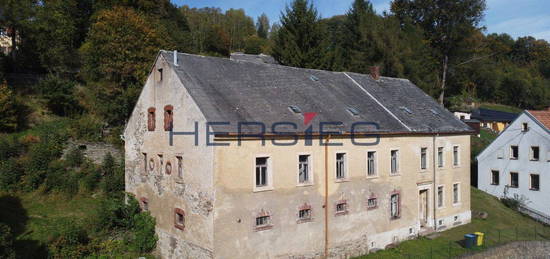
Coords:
512,226
34,217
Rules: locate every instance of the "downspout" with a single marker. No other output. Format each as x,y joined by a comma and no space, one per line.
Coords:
434,178
326,195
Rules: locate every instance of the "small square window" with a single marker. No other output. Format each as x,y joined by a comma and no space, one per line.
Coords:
524,127
372,203
514,180
263,222
514,152
179,219
341,208
534,182
304,214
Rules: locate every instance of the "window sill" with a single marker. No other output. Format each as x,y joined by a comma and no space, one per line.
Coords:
262,228
513,187
342,180
395,174
301,221
263,189
372,208
304,184
395,218
511,158
180,227
372,176
440,208
457,166
423,171
535,190
341,213
179,181
458,204
495,184
534,160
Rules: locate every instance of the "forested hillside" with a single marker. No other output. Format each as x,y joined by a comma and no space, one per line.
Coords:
78,66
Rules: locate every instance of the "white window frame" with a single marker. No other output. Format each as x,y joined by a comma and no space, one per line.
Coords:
441,160
459,194
510,179
309,181
427,160
346,166
442,196
531,182
398,207
458,153
270,171
397,171
500,153
375,164
491,175
512,152
532,154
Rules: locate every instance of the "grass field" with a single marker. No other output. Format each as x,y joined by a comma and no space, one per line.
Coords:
500,107
502,225
35,217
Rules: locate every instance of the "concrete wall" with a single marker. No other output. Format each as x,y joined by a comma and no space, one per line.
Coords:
237,203
489,160
192,193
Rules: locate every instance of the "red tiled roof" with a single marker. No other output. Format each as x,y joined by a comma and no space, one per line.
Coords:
543,116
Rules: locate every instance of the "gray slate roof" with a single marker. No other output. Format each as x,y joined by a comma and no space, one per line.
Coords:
241,91
261,58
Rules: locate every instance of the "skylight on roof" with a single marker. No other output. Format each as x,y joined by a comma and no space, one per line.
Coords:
353,111
313,78
434,112
406,109
295,109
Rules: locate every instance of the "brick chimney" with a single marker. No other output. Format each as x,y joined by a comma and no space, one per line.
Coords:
375,72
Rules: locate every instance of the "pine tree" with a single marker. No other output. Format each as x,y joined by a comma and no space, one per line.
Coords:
301,41
262,26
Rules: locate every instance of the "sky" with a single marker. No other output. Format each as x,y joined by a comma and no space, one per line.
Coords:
515,17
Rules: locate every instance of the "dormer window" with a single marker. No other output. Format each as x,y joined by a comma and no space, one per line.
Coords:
151,119
168,117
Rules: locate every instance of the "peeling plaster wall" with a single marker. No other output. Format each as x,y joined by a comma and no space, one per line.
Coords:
352,234
192,193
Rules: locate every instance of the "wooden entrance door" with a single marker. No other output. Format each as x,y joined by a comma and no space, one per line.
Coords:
423,207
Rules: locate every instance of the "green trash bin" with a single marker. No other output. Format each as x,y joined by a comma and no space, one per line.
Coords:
469,240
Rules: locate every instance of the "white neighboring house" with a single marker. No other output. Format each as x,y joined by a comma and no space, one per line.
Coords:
462,115
517,163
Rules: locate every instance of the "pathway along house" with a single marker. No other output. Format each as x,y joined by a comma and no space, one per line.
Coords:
515,163
301,199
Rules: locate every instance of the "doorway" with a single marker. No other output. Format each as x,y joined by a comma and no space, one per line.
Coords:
423,207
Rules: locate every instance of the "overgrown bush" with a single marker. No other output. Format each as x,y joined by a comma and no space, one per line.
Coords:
7,250
514,202
91,176
74,157
59,95
61,180
10,174
71,241
143,238
113,176
13,112
87,127
115,214
10,147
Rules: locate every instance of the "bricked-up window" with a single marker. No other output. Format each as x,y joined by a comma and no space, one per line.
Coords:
514,180
340,165
371,163
514,152
535,154
395,206
534,182
261,171
151,119
180,166
423,158
394,161
145,162
179,219
495,177
161,163
303,168
440,196
341,207
168,169
168,117
144,204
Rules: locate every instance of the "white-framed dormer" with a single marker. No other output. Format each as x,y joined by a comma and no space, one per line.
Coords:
370,163
310,170
261,182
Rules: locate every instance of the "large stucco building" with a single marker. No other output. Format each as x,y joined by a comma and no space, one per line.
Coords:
515,163
217,191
